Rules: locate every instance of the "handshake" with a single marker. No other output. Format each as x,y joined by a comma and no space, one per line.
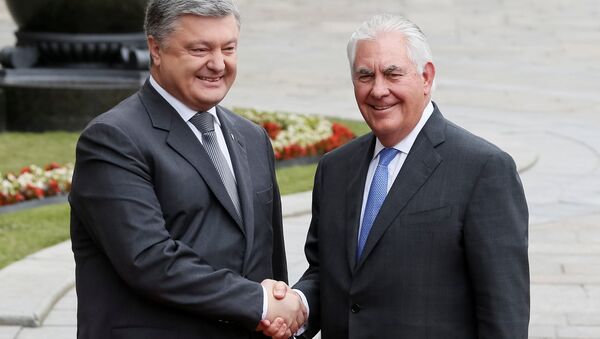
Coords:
285,311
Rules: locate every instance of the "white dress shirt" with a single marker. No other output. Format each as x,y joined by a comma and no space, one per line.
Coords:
395,165
187,113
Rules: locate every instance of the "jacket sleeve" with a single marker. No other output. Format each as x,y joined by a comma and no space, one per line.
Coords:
496,241
279,258
309,282
113,196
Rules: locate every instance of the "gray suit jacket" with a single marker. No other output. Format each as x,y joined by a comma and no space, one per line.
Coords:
446,257
159,249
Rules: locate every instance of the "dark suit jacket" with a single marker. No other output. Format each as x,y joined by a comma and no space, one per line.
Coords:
159,250
446,257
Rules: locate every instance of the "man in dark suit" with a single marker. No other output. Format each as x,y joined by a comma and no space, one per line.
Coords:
176,214
426,236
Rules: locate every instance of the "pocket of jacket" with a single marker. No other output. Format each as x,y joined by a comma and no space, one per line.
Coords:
265,196
427,216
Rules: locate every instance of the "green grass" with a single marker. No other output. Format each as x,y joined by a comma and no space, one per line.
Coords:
22,149
28,231
296,179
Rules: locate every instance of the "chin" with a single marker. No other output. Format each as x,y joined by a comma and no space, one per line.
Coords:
209,96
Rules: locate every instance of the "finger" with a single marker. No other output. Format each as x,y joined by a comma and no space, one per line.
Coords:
294,326
283,330
263,324
301,318
274,328
298,322
280,290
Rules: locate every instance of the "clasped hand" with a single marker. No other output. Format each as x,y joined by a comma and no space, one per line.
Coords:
285,313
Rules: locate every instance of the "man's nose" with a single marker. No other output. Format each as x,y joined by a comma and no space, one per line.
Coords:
216,62
380,88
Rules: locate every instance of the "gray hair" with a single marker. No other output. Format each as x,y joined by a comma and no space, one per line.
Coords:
417,47
162,15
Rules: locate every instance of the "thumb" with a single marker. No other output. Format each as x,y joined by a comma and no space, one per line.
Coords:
280,290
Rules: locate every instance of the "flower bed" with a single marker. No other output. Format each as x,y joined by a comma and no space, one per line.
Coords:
34,182
297,135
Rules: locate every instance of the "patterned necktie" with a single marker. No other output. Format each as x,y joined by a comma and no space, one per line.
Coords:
204,122
377,194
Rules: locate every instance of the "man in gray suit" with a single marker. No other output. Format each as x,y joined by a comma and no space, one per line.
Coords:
426,236
175,209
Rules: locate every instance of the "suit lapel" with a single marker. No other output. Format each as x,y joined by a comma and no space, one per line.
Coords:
354,194
420,164
236,144
183,141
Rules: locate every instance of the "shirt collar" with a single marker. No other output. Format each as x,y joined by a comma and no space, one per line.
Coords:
185,112
405,144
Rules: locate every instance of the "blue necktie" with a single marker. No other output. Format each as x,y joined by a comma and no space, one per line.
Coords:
377,194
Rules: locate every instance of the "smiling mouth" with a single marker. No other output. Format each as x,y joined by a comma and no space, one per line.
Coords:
381,108
210,79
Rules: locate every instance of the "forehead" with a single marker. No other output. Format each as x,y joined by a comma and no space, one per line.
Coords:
387,48
204,27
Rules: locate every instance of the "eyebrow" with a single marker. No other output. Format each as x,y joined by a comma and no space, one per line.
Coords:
364,71
391,68
210,43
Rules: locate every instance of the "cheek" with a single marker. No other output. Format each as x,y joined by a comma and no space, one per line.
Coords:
231,67
361,93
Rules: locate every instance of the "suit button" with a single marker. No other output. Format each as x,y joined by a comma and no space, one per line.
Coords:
355,308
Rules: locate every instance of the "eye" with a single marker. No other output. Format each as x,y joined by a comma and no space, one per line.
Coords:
365,77
229,50
395,76
198,50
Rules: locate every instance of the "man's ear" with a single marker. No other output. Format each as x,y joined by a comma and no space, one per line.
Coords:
154,49
428,76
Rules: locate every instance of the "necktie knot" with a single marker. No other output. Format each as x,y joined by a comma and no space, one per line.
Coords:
386,156
204,122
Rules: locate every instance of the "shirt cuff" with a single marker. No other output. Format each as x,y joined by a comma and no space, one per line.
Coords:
265,303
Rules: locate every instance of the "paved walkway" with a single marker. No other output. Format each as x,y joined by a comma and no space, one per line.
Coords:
522,73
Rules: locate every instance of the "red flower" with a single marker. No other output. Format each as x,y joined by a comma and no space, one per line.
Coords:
272,129
51,166
33,192
53,188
